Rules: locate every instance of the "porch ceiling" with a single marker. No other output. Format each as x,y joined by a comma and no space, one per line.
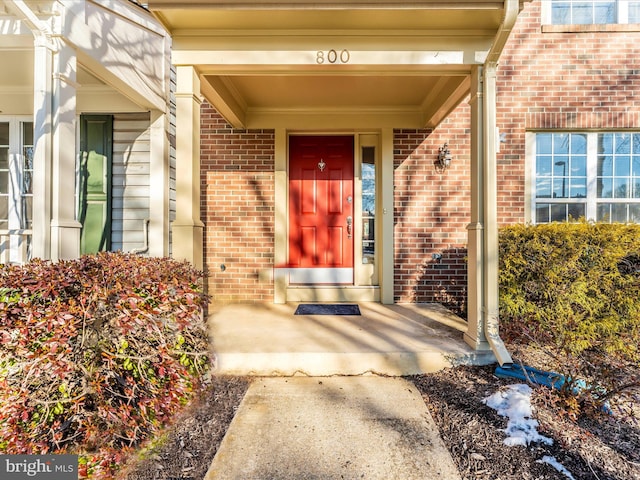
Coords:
402,62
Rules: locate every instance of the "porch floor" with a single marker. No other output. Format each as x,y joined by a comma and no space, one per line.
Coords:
400,339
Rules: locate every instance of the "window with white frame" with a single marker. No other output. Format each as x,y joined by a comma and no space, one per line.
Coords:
591,12
16,174
595,175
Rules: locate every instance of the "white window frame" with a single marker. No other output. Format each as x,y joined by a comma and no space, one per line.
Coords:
622,11
592,199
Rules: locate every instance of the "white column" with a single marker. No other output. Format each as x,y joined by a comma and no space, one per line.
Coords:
65,229
483,321
474,335
159,180
387,284
42,103
281,241
187,241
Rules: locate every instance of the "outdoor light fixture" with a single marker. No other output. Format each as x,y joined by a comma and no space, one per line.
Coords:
444,158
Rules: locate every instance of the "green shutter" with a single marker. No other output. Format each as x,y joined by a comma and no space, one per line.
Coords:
96,133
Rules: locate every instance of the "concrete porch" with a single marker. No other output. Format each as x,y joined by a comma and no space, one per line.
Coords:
400,339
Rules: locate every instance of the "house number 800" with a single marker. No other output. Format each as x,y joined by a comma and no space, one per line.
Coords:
332,56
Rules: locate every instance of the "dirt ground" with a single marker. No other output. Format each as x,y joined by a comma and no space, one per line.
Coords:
602,448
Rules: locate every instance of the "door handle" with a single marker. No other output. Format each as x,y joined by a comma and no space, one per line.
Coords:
349,224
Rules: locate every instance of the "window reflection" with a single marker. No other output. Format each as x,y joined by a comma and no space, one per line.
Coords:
368,204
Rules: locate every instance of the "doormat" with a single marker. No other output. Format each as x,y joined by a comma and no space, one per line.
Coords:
327,309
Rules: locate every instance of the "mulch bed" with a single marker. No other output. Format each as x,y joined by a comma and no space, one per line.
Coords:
601,448
188,448
598,448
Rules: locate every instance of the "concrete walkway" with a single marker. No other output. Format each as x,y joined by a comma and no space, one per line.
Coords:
363,427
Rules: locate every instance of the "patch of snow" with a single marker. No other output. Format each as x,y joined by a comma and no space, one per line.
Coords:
557,465
515,404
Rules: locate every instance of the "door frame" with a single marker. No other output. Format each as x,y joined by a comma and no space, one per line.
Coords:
371,279
325,274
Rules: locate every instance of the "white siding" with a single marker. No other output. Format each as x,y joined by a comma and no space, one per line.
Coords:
130,207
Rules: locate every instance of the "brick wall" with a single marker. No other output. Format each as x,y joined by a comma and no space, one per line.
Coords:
549,78
432,211
237,202
546,80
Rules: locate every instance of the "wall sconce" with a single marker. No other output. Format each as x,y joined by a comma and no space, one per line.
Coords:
444,158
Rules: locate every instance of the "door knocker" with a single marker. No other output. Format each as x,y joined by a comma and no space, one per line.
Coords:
321,165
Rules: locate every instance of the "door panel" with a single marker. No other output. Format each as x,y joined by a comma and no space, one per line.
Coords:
320,201
96,133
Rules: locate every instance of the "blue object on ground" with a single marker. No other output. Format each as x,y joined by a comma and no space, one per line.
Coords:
540,377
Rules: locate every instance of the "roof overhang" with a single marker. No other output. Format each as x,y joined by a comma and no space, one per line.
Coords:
401,64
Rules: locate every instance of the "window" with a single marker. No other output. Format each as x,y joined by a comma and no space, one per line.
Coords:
368,204
591,175
4,176
16,174
594,12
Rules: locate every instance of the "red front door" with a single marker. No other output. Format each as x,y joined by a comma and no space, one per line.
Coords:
321,202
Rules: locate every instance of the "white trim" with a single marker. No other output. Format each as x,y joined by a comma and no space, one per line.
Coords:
322,276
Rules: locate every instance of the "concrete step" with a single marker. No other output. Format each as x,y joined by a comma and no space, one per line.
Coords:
269,340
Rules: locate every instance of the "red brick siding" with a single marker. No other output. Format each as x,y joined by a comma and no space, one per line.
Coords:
237,207
587,80
432,211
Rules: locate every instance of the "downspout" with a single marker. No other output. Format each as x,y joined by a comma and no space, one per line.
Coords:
145,233
490,256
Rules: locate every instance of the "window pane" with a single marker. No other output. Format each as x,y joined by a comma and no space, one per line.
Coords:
368,203
622,166
4,183
605,166
634,212
619,212
605,188
605,143
27,219
4,212
561,143
635,166
576,210
560,165
27,133
4,158
579,166
636,189
4,134
623,143
578,188
542,213
543,143
560,13
560,188
558,212
603,212
543,188
582,14
578,143
543,166
605,13
620,188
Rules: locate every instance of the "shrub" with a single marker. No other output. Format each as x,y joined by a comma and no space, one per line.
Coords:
573,289
96,354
